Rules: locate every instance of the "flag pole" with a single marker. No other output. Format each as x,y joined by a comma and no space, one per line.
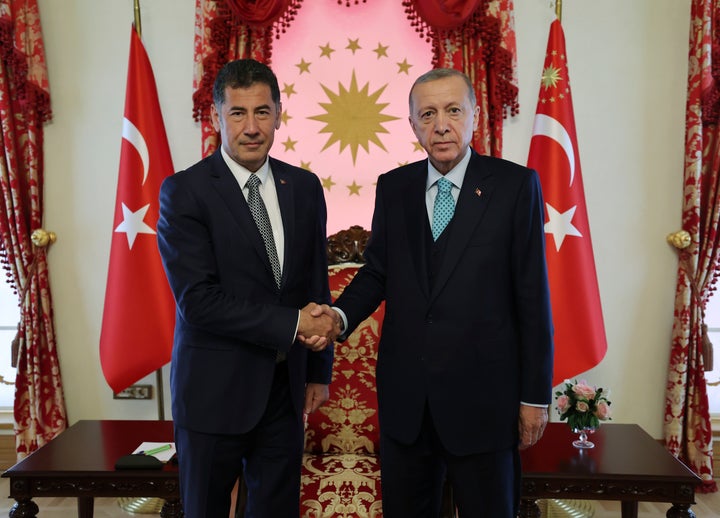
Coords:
158,373
558,10
160,394
146,504
138,24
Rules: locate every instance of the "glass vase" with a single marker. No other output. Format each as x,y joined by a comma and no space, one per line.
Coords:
582,441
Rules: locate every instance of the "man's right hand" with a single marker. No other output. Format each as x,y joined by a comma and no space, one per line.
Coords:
318,327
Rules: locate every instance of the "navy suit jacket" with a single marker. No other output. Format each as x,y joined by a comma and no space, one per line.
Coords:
231,318
479,340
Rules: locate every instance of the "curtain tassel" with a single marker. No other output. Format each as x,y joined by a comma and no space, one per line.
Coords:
707,349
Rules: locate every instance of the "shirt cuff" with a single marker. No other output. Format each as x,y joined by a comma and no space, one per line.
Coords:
343,317
297,326
535,404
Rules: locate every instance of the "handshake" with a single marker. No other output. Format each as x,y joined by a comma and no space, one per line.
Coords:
319,326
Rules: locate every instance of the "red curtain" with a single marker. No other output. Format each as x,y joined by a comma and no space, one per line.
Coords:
475,36
688,432
24,108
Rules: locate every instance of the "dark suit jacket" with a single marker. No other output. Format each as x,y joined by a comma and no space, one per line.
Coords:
231,318
479,340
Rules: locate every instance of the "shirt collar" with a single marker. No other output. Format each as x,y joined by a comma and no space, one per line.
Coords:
241,173
456,175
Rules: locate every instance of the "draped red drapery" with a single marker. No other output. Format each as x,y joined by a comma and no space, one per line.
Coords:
688,432
475,36
24,108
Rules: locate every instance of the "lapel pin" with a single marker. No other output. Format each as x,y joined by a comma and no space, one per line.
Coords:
282,182
478,192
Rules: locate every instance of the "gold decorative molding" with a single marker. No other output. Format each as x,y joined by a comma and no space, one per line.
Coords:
42,238
680,239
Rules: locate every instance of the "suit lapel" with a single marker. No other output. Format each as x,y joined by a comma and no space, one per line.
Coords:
474,198
286,200
416,223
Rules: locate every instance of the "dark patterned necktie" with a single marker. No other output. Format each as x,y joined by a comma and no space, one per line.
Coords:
444,207
260,215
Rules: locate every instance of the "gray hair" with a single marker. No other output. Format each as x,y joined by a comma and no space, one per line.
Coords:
441,73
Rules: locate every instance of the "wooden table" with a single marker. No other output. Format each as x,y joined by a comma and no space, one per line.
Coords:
626,464
80,462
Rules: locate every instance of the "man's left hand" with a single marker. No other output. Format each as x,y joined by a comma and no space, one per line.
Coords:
315,395
532,424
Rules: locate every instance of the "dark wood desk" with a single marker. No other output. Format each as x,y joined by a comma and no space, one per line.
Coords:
626,465
80,462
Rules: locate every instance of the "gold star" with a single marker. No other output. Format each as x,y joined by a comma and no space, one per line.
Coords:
305,165
550,77
304,66
289,144
381,50
354,189
289,89
353,117
326,50
285,117
417,146
327,183
404,67
353,45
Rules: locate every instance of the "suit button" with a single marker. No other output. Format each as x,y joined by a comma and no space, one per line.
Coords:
429,318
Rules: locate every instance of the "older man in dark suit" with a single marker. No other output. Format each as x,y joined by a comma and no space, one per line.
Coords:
464,370
242,238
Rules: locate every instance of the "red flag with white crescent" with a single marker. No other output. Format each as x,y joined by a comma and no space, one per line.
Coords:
139,312
580,341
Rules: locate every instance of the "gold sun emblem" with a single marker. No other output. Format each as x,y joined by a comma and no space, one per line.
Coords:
550,77
353,117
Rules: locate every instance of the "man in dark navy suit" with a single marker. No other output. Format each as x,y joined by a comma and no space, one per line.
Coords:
464,369
242,238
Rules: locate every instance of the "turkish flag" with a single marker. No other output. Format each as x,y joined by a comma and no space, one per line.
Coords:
139,313
580,341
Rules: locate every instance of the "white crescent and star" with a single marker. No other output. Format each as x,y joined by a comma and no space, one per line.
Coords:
133,221
559,223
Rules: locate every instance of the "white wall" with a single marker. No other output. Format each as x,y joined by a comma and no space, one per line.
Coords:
628,66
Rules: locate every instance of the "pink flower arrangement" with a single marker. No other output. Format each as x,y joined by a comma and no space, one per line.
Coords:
582,405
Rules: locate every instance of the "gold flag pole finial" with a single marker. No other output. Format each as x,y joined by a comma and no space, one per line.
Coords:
558,9
138,24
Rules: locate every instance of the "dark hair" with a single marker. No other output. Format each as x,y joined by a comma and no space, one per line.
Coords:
441,73
243,73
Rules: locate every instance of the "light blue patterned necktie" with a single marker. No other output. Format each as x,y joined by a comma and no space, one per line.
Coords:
444,207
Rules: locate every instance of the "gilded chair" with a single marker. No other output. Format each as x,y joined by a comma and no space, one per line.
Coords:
341,466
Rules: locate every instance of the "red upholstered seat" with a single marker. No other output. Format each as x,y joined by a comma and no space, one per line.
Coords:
341,467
